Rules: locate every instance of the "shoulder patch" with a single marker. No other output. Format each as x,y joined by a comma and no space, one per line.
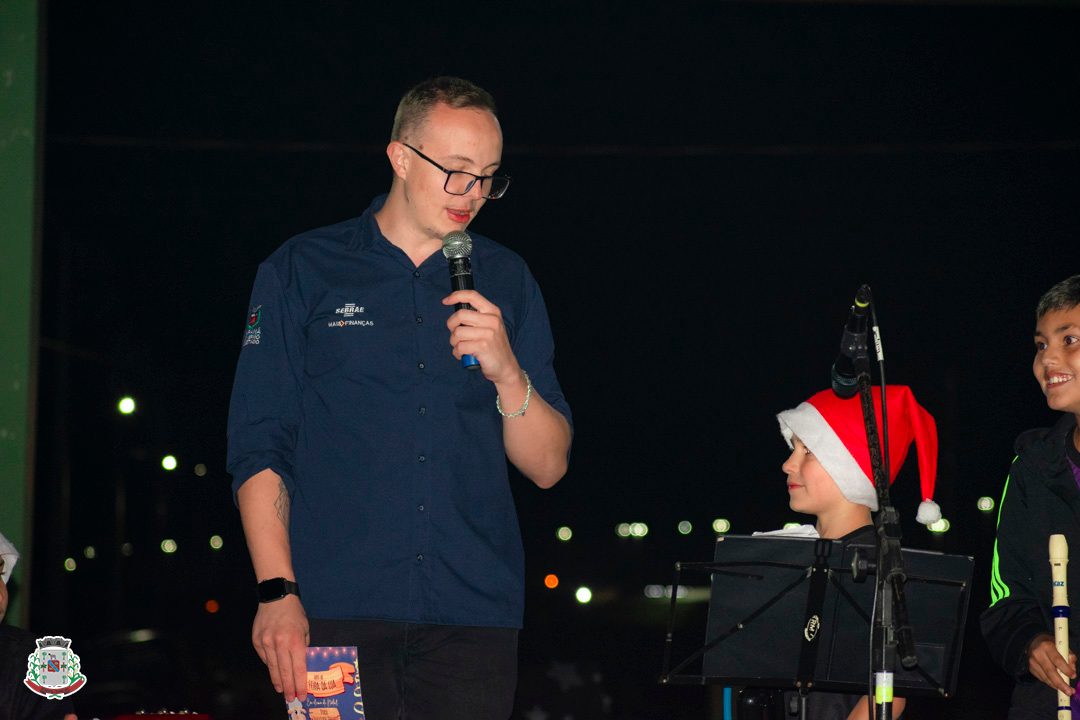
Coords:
253,328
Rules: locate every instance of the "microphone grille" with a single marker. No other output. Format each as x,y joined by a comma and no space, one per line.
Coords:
457,244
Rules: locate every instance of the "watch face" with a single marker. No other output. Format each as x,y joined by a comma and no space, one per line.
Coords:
275,589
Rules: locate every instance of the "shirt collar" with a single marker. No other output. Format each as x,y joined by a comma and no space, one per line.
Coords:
367,230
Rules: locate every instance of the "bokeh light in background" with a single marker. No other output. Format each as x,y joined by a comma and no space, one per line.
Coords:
939,527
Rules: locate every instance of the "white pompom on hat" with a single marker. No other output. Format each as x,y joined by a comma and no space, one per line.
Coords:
833,429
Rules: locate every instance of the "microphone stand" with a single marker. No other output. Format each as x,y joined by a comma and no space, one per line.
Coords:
892,635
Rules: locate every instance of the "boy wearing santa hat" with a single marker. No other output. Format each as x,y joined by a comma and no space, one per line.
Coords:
1041,498
829,476
829,472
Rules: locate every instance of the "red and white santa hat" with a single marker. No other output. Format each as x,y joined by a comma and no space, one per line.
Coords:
833,429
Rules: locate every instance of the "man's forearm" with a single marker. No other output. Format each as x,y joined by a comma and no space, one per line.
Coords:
537,443
264,512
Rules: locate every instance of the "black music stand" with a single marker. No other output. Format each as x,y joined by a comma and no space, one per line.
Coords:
766,588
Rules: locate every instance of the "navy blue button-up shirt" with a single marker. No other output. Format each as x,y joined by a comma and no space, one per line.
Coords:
392,453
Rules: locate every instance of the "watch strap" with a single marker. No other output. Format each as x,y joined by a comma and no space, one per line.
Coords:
275,589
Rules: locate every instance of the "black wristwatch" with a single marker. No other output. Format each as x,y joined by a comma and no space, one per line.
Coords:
275,589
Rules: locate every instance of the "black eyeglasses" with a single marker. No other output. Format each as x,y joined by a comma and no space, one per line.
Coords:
459,182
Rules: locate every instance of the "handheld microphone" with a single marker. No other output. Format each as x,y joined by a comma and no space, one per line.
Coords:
853,358
457,247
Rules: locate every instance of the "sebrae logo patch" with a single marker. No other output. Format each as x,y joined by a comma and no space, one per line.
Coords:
348,317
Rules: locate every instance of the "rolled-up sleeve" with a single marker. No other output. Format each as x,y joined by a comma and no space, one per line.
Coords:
264,410
534,347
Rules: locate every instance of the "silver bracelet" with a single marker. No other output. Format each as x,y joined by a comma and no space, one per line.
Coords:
524,406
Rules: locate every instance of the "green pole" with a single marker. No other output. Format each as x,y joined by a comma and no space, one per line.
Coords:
19,214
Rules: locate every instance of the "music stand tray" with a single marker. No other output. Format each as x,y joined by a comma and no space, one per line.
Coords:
758,627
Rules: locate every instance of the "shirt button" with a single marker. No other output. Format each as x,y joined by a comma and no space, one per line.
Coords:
420,365
416,273
420,508
422,410
419,320
421,458
419,557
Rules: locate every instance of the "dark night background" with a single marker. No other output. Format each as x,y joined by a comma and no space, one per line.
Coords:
699,189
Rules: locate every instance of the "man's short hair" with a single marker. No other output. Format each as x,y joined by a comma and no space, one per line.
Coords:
1063,296
417,103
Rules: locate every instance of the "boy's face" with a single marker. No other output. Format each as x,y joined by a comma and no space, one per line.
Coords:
811,489
1057,359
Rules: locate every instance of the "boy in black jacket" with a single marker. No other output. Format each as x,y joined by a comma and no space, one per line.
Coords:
1041,498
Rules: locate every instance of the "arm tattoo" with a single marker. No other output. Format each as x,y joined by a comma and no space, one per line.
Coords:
281,504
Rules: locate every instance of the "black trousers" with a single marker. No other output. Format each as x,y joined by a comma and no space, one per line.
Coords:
428,672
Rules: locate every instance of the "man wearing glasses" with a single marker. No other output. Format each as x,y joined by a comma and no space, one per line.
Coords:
369,466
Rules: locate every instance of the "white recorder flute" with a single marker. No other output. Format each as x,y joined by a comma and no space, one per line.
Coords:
1059,559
